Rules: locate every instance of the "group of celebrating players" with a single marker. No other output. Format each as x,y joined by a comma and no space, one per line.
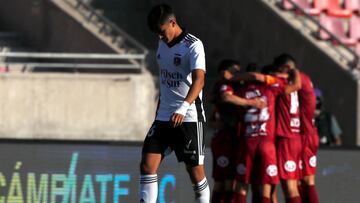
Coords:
265,133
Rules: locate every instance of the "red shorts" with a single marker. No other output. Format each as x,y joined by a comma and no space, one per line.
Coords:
223,148
257,162
289,157
310,148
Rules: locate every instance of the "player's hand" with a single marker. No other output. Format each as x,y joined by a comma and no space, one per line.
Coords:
176,119
259,103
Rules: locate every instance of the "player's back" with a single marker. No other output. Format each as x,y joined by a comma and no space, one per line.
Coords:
287,113
258,122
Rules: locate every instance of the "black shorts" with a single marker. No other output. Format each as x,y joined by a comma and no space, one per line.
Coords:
187,140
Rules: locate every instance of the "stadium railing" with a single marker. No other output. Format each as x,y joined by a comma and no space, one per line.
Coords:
105,26
32,62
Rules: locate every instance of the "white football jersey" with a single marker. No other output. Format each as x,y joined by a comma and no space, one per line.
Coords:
176,64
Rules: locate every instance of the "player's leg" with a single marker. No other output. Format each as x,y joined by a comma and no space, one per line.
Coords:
189,147
152,154
241,191
218,192
267,173
289,152
274,197
309,193
200,184
220,164
244,168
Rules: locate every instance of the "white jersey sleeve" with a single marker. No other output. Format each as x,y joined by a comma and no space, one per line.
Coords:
197,56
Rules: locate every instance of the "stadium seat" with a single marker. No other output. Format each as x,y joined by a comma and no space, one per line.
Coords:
335,26
304,4
288,6
354,27
332,7
353,5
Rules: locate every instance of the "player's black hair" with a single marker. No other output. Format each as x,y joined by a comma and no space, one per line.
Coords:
268,69
282,60
252,67
226,64
158,15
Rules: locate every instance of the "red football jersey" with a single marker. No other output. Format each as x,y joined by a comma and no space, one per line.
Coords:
259,122
287,113
307,101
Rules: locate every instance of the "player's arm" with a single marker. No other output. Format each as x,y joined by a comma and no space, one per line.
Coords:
197,67
239,101
198,78
248,77
295,81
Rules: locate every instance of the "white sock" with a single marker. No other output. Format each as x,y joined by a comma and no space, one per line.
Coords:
202,192
148,188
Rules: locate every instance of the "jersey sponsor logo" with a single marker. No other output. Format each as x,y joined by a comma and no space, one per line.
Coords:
252,94
170,79
222,161
272,170
312,161
290,166
241,169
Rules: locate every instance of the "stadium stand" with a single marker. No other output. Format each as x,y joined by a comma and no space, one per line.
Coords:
71,37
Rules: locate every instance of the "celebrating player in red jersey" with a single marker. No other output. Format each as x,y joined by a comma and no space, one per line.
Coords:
289,146
310,138
257,162
224,119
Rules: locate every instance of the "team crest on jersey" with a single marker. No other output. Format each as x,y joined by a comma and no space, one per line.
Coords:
177,60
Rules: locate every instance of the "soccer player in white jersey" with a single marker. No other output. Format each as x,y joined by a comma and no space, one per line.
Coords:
178,125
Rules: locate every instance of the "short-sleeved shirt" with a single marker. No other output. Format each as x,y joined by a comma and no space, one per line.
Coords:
176,63
259,122
307,101
287,113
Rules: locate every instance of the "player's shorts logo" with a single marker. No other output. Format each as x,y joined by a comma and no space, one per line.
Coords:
312,161
241,169
222,161
300,164
151,131
290,166
272,170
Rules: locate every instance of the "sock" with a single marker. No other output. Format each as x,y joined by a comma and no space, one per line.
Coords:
202,192
265,200
229,197
218,197
293,200
148,188
239,198
310,194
